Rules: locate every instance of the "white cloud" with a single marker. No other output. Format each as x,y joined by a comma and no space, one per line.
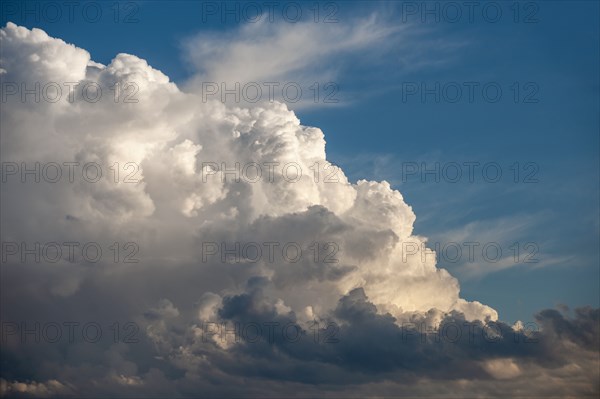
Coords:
502,368
298,53
169,136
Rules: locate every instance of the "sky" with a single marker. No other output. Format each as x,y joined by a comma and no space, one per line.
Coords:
470,131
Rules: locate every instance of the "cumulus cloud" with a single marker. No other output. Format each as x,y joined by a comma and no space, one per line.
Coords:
209,248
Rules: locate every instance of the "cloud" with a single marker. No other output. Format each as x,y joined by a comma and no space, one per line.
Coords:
291,63
186,238
37,389
263,51
267,52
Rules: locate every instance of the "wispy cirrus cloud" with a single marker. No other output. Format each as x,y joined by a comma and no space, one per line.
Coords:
306,53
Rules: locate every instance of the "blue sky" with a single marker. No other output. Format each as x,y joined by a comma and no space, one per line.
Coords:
373,132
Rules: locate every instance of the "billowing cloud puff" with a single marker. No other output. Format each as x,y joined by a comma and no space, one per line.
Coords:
209,214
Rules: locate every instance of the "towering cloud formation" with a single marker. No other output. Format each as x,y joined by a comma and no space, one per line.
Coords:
233,216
